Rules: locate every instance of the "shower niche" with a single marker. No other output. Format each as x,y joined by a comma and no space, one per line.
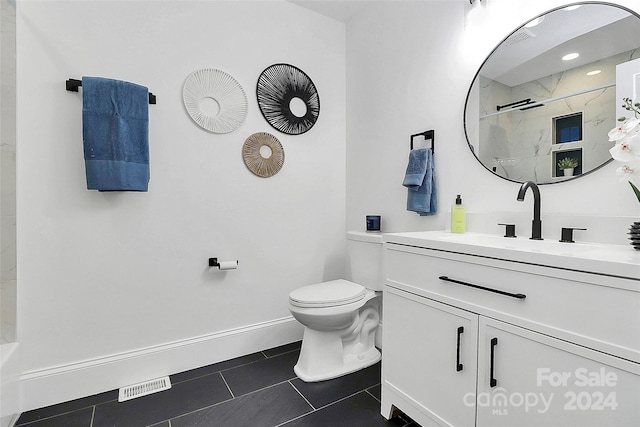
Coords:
567,128
566,145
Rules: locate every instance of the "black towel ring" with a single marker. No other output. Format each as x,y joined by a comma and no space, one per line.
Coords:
429,134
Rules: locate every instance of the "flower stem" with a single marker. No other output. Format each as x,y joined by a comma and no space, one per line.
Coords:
630,106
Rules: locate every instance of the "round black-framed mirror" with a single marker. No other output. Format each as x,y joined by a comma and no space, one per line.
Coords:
528,113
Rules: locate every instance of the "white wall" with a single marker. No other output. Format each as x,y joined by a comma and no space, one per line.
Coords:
409,66
107,274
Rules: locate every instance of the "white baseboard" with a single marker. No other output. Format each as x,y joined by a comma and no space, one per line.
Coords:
58,384
9,384
9,420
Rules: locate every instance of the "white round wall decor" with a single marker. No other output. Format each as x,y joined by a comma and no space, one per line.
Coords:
263,154
214,100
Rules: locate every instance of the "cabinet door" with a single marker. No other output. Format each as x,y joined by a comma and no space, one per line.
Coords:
429,363
529,379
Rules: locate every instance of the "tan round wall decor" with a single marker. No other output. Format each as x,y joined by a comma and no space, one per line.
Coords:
263,154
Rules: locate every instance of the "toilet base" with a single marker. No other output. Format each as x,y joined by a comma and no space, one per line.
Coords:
351,364
325,355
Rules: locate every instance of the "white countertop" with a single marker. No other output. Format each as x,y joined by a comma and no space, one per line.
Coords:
613,260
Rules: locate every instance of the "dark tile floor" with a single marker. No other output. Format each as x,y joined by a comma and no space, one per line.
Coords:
256,390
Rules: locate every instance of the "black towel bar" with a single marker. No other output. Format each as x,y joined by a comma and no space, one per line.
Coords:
429,134
74,84
520,105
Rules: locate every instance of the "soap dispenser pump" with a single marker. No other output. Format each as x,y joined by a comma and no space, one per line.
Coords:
458,217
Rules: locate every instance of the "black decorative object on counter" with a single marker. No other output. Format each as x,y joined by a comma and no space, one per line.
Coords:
634,235
282,87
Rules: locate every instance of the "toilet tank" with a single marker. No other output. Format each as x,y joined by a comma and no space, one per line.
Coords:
364,259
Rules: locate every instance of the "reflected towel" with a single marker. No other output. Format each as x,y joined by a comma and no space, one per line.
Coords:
115,131
420,180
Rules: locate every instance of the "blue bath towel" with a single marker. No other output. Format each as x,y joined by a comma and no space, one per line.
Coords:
420,180
115,131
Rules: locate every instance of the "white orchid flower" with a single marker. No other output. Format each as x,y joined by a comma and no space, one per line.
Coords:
630,171
629,126
626,149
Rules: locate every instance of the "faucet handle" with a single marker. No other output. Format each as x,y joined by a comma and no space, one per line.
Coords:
510,230
566,235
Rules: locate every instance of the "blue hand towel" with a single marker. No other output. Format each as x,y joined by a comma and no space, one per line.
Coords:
420,180
115,131
416,169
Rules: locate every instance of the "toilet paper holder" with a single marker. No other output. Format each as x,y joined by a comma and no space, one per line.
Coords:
213,262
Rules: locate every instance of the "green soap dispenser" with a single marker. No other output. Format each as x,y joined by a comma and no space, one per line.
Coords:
458,217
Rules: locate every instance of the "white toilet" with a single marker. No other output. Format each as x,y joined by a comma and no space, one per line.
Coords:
340,317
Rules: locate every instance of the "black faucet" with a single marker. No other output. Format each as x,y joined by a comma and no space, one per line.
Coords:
536,224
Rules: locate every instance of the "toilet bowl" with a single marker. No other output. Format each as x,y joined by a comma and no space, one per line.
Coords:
340,317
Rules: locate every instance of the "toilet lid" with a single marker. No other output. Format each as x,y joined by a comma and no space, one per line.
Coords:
327,294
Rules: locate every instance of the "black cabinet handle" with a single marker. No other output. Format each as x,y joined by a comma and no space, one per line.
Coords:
497,291
459,365
493,381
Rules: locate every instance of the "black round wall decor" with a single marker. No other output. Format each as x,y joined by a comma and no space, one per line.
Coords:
288,99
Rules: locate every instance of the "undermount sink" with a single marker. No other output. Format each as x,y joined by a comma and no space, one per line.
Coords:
613,260
523,243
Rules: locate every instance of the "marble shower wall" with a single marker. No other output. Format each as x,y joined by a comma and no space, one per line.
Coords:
519,143
7,171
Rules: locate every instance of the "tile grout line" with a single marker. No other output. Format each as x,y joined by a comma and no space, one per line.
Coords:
371,394
257,361
56,415
321,408
277,355
215,372
233,396
302,395
190,379
229,400
201,409
65,412
234,367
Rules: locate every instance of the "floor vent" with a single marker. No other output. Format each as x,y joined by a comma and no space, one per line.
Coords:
142,389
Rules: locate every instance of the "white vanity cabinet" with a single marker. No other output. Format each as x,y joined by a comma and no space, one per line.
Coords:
478,341
432,363
543,381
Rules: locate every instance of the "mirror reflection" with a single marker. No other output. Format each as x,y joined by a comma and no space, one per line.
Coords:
542,103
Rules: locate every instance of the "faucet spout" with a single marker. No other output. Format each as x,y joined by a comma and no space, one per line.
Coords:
536,224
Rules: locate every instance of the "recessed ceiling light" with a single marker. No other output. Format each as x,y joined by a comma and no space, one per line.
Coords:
534,22
570,56
570,8
594,72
